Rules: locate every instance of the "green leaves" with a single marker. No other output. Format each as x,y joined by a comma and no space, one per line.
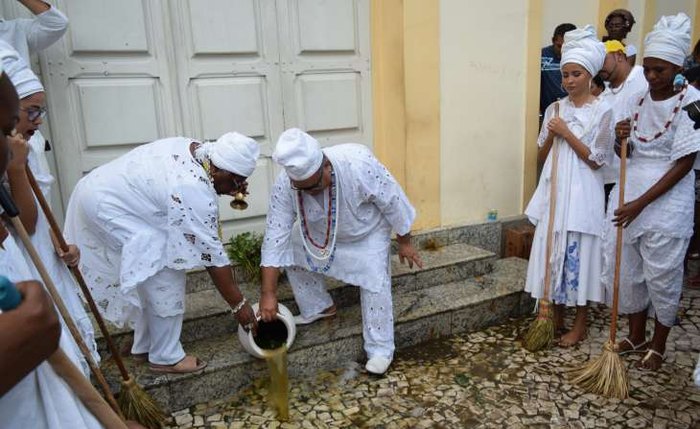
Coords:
244,250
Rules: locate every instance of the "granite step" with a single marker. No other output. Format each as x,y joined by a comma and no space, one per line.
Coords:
420,315
207,314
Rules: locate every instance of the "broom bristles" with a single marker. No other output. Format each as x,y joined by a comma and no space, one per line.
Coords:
540,334
605,375
138,405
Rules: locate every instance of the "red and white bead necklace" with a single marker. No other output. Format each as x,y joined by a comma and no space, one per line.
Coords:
668,123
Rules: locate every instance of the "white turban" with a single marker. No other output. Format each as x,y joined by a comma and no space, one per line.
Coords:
299,154
583,48
23,78
232,152
669,40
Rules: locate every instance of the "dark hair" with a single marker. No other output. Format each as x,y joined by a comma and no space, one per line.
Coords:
696,49
563,28
599,81
692,74
626,16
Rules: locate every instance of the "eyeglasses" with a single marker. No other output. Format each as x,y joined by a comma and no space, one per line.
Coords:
34,113
315,187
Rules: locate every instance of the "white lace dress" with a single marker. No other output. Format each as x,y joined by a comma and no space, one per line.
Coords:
152,208
579,211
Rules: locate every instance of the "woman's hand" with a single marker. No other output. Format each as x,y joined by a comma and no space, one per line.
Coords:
623,129
558,127
246,318
70,257
19,151
627,213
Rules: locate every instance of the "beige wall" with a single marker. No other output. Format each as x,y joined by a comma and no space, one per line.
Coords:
482,107
577,12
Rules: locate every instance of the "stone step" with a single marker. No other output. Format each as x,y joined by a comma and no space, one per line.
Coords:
207,314
420,315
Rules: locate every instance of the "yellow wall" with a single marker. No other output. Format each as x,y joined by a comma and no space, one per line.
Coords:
482,107
406,86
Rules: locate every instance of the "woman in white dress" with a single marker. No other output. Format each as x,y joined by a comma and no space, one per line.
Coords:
583,132
659,193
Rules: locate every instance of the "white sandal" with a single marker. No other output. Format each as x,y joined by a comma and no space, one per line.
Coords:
650,353
642,347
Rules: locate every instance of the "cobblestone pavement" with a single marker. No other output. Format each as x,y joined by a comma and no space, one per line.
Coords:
482,379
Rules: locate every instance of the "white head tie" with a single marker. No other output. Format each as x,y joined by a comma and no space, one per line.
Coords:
583,48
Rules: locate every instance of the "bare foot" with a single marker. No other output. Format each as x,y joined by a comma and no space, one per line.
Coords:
572,338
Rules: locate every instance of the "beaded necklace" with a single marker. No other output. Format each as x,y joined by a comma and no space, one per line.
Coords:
326,252
668,123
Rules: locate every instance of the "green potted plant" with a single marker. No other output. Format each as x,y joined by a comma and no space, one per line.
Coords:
244,251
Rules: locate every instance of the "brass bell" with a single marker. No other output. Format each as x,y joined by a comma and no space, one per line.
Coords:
238,202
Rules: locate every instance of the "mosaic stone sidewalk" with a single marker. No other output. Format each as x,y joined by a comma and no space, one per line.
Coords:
482,380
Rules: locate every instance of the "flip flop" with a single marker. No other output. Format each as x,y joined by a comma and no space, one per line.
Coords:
650,353
642,347
182,367
301,320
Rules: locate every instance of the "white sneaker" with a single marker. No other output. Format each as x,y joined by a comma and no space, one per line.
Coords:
378,365
301,320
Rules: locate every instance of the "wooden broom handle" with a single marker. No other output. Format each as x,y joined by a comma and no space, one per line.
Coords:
618,243
77,275
58,301
552,211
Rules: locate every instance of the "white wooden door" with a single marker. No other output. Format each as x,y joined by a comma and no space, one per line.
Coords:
325,65
131,71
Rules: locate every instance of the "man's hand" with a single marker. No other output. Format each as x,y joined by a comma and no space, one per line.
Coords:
71,257
409,253
19,151
627,213
268,306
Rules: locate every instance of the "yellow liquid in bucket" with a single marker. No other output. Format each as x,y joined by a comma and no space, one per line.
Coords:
279,382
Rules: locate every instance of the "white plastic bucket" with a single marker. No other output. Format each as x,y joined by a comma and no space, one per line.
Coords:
284,315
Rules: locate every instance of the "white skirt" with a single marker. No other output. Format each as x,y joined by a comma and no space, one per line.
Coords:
581,273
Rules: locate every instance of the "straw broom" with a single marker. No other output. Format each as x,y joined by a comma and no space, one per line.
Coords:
541,331
133,400
606,375
61,364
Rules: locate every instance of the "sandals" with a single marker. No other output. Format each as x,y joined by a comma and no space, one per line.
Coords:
188,364
642,347
651,354
329,312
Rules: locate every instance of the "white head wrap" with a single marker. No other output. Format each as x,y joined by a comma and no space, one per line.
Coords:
232,152
23,78
669,40
582,47
299,154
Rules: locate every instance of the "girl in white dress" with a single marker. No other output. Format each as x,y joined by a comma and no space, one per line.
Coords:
583,132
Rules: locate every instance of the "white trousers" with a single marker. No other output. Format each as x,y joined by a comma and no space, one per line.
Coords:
651,276
155,333
377,310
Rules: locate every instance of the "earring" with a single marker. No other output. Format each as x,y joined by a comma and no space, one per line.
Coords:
679,82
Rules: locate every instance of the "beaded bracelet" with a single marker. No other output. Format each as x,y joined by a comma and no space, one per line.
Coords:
238,306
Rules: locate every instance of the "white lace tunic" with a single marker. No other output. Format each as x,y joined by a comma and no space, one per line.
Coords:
151,208
370,204
672,213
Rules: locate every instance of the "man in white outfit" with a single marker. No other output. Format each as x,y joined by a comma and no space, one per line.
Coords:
346,203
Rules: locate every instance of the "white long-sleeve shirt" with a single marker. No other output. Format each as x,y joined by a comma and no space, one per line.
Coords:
29,36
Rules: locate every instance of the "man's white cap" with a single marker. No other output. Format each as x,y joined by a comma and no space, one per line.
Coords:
299,154
233,152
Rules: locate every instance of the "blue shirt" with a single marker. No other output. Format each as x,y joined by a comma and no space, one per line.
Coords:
550,78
